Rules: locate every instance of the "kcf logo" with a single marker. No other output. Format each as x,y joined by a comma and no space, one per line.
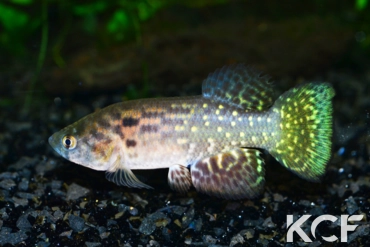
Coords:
296,226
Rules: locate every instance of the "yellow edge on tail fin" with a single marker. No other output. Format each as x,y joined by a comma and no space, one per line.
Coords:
306,129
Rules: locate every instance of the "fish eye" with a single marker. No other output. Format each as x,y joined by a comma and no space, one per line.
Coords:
69,142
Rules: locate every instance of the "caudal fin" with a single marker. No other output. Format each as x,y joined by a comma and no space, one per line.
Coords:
306,129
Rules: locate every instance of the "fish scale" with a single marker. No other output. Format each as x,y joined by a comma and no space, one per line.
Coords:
190,129
217,135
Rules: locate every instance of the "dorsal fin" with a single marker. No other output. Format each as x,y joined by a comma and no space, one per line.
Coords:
241,86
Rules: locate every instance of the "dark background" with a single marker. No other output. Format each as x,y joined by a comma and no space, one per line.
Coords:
60,60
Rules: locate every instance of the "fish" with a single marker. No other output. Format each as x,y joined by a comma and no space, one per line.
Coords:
214,141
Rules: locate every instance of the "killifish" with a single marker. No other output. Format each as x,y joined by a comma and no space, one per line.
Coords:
213,141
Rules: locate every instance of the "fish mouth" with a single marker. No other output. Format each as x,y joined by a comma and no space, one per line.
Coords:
53,142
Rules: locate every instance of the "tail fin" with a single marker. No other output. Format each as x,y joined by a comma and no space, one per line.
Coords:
306,129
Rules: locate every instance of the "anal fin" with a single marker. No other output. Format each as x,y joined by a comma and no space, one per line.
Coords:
235,174
179,178
123,176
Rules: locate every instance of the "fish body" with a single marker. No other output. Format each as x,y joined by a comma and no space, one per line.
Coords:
217,135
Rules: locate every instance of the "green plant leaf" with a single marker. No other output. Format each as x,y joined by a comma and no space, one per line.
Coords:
361,4
118,24
22,2
148,8
91,8
12,19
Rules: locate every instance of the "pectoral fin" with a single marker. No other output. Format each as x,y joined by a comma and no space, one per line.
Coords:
235,174
123,176
179,178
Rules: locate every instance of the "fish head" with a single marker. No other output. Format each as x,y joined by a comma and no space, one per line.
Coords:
85,144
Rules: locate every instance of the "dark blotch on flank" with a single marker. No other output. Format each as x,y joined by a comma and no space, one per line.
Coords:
117,129
149,128
99,136
130,122
107,141
169,121
116,116
84,139
130,143
152,114
103,123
